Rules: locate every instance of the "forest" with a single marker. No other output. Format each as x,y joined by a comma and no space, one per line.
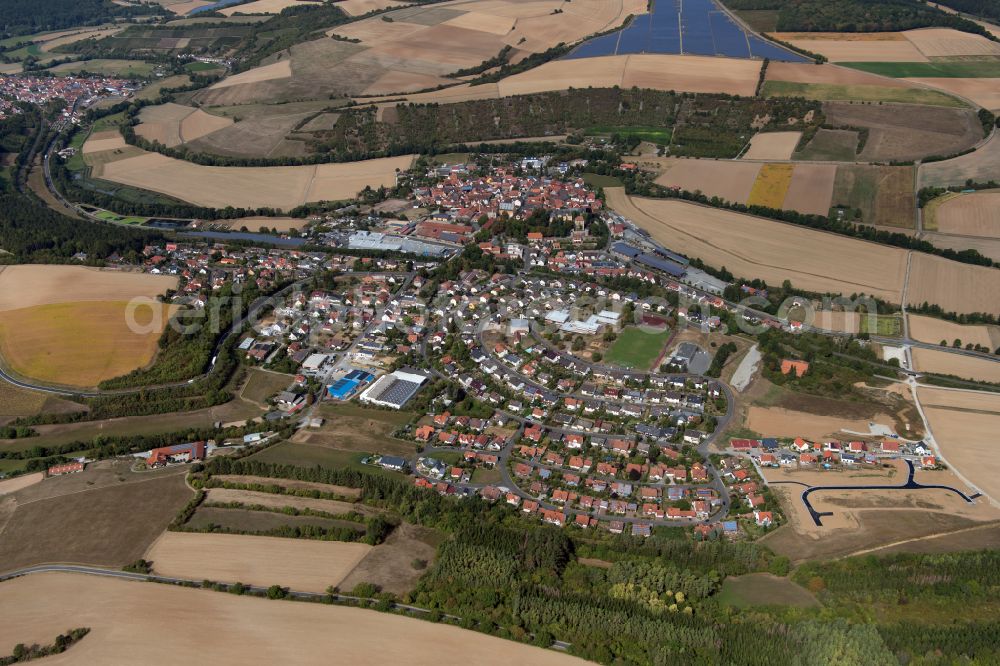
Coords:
988,9
25,17
860,15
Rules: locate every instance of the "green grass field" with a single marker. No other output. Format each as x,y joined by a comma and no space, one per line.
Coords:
261,385
201,66
636,348
108,216
598,180
888,326
827,92
962,69
764,590
307,455
646,133
123,68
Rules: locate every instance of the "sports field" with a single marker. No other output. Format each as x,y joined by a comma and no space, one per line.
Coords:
127,619
753,247
636,348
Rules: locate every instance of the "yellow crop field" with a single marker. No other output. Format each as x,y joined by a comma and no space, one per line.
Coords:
771,185
79,343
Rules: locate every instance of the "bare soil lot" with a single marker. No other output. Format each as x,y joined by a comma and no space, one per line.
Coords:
772,146
104,516
779,422
754,247
302,564
28,285
396,565
224,625
906,132
253,187
931,329
946,283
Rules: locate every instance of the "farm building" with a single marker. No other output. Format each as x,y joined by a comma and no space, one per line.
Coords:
179,453
66,468
394,390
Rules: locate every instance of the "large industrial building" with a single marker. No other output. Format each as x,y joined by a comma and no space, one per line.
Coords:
394,390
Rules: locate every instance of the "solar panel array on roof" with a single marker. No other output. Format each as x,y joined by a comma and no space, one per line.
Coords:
665,265
626,250
343,388
360,376
673,256
398,392
695,27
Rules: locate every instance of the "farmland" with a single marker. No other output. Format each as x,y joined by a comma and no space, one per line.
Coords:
302,564
61,284
966,367
771,185
829,92
781,422
906,133
636,348
831,145
104,516
173,124
983,92
981,165
772,146
911,46
83,343
263,384
16,403
204,622
937,280
252,187
964,427
110,67
975,214
960,69
754,247
933,330
876,195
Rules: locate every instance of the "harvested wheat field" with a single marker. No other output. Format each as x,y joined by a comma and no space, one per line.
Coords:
771,185
772,146
302,564
984,92
965,425
934,330
81,343
8,486
975,214
54,40
956,287
757,248
101,141
946,42
659,72
811,189
281,224
966,367
254,187
856,47
981,165
727,179
27,285
281,69
780,422
840,322
265,6
173,124
233,629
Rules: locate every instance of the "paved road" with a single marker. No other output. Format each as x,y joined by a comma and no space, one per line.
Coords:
910,484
